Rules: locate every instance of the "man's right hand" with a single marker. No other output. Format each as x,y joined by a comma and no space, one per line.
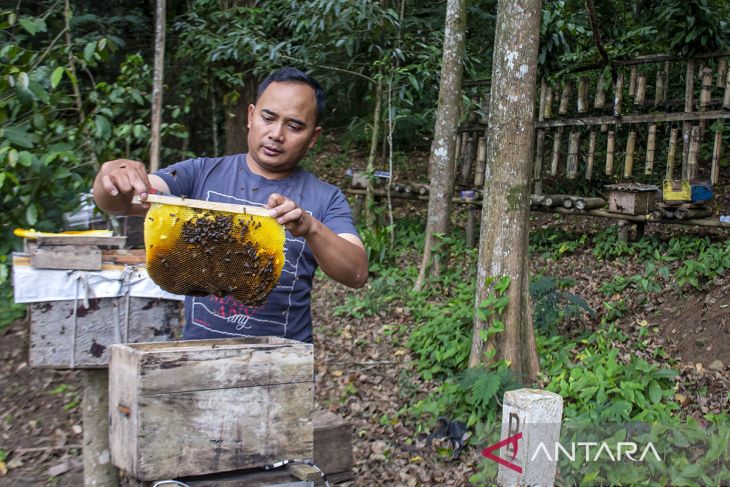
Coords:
124,176
117,182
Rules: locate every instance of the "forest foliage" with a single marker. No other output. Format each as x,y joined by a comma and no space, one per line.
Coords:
75,77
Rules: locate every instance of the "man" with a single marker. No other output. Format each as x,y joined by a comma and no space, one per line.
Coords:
283,126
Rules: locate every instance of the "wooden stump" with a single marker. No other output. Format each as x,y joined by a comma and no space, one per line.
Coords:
98,468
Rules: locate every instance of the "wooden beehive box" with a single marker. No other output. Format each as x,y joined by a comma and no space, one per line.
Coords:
66,334
206,406
631,199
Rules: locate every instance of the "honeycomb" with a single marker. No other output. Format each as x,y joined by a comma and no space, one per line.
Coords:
198,252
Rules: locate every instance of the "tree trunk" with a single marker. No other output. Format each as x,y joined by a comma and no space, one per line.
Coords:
157,83
370,168
236,112
441,162
505,225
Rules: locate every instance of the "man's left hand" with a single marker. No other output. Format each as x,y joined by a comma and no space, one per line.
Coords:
288,213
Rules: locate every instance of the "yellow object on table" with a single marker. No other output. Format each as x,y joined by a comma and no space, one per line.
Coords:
32,233
677,190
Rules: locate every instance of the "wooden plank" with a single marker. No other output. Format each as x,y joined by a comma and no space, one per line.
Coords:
224,405
610,144
71,257
591,154
557,136
629,157
694,154
640,90
642,118
726,95
572,164
618,95
64,336
217,430
650,150
671,153
206,205
632,80
716,152
688,107
706,88
481,161
548,110
332,442
539,156
175,370
123,413
600,100
565,97
116,242
721,73
659,88
583,94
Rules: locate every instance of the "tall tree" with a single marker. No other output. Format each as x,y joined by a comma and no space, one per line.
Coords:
441,161
157,83
505,212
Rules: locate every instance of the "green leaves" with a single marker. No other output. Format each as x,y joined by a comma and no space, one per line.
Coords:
56,76
31,214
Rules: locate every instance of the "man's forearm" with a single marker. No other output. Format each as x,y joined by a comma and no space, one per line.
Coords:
340,259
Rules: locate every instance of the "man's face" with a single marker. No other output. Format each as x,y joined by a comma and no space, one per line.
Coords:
282,128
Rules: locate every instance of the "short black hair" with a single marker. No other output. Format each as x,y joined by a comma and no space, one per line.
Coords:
295,76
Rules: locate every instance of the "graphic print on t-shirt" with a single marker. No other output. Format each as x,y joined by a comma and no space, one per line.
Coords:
230,317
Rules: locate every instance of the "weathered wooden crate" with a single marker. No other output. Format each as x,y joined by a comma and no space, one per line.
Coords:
631,199
205,406
66,334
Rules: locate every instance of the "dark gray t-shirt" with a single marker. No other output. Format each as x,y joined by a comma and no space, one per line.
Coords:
286,313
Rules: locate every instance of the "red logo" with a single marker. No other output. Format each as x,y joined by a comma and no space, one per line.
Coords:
512,440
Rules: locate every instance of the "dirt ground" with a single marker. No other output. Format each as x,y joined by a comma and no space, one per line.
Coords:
364,371
363,374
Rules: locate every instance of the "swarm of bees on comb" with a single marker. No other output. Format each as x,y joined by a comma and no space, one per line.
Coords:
199,252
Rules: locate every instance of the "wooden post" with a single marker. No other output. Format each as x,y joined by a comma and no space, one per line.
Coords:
721,72
650,149
467,159
671,154
726,96
611,141
632,80
481,159
530,417
157,83
557,135
618,95
688,103
629,158
716,151
572,167
98,468
539,155
583,94
548,112
565,97
600,100
623,230
706,90
591,154
640,90
694,153
661,80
